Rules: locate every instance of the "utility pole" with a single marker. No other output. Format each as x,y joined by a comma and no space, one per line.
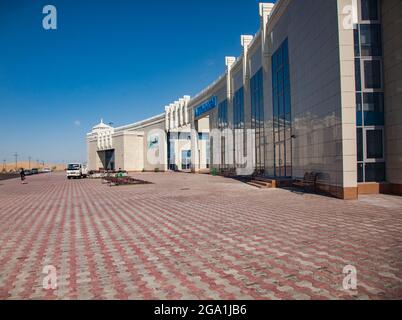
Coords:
29,160
16,161
4,165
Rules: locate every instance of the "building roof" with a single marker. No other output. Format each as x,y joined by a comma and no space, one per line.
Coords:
101,125
141,124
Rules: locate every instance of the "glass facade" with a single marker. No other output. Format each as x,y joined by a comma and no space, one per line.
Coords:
369,94
370,40
239,124
186,159
171,151
223,125
238,109
223,115
369,10
257,119
204,137
372,74
282,117
108,159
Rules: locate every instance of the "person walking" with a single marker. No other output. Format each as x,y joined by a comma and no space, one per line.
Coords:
22,174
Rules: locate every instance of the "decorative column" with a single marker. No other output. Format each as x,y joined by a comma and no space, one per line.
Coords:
181,112
245,42
266,47
171,111
186,111
265,11
177,112
229,148
167,119
177,134
195,158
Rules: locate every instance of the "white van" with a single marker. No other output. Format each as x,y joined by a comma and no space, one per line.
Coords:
76,170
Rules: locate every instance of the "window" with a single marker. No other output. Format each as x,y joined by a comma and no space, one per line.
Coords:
239,125
257,103
373,107
373,102
202,136
358,75
171,151
369,94
359,108
257,118
369,10
359,144
72,167
370,154
223,114
360,172
356,40
282,108
374,142
372,74
370,37
238,108
375,172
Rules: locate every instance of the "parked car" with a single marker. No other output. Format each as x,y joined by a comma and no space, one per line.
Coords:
34,171
77,170
46,170
27,172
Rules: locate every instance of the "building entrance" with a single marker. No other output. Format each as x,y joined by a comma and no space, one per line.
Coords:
107,158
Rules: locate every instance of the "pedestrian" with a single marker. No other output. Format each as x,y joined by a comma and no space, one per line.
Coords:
22,174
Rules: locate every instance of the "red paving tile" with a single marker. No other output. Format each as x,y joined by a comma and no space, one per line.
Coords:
193,237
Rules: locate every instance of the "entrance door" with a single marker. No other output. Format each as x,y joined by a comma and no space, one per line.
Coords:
280,170
186,160
109,160
283,159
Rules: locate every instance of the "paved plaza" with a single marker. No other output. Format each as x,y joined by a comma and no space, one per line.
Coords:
193,237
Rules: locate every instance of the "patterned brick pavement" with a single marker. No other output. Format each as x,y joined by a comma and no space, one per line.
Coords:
193,237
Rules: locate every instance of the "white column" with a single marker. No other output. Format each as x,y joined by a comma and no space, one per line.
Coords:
171,111
195,165
167,120
245,42
229,61
181,112
229,148
266,47
186,111
265,11
177,109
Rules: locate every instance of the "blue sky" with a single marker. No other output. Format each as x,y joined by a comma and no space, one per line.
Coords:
122,60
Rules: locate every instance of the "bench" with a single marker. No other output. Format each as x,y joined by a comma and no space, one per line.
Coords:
309,181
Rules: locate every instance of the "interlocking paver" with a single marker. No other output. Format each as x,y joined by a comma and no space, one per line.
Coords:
194,237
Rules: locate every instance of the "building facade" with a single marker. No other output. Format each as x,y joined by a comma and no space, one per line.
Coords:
317,89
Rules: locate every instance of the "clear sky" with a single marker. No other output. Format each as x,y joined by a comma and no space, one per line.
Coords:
122,60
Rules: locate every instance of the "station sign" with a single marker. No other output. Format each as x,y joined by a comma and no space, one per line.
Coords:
206,106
